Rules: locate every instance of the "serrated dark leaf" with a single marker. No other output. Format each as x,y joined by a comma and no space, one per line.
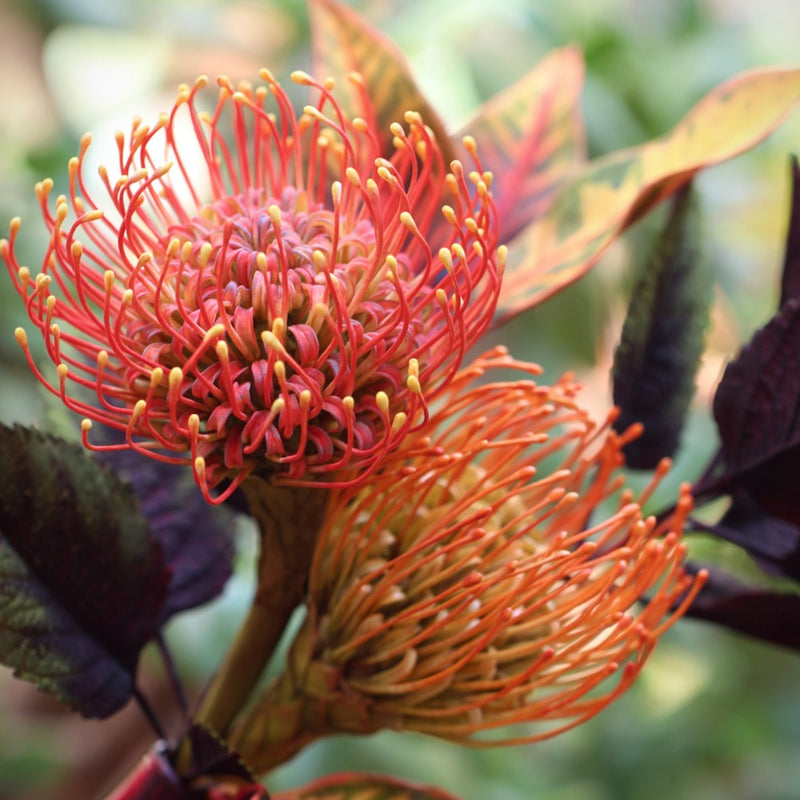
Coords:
757,410
209,755
196,538
790,278
82,580
770,616
662,339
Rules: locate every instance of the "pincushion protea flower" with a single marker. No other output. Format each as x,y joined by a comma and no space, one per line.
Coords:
465,588
289,308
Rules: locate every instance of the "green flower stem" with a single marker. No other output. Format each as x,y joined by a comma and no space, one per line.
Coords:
244,663
289,519
307,701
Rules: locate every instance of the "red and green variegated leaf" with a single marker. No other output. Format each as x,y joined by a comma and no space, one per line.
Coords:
531,136
605,197
355,786
342,43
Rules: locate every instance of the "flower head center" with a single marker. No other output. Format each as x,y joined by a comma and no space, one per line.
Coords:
271,293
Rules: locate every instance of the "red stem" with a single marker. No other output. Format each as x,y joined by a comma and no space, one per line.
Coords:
152,779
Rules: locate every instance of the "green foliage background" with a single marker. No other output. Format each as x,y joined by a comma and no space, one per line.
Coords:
713,717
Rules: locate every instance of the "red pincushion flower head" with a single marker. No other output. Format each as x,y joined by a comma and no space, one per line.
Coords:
493,572
289,308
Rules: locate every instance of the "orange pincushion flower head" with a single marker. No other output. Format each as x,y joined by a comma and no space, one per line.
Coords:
466,589
288,307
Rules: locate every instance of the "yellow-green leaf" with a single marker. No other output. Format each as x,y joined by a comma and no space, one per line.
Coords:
600,200
531,136
342,43
356,786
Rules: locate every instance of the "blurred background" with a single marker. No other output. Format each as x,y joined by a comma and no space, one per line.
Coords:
713,716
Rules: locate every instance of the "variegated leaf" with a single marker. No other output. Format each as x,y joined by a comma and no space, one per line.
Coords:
356,786
342,43
606,196
531,136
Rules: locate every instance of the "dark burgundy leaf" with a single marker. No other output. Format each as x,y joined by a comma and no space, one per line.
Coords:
770,616
757,409
662,339
772,542
200,767
210,756
196,537
82,581
790,280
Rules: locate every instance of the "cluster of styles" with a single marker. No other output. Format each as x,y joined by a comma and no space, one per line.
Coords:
282,304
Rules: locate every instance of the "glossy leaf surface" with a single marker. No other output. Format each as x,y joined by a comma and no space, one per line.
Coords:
343,43
603,198
531,137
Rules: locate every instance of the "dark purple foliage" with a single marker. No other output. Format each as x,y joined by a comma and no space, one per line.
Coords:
82,581
196,537
773,617
790,281
757,409
662,339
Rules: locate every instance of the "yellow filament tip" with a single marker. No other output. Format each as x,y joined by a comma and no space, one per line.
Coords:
175,378
214,331
271,341
399,421
138,410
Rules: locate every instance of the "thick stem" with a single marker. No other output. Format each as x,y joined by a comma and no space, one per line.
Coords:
243,665
274,730
307,701
289,519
